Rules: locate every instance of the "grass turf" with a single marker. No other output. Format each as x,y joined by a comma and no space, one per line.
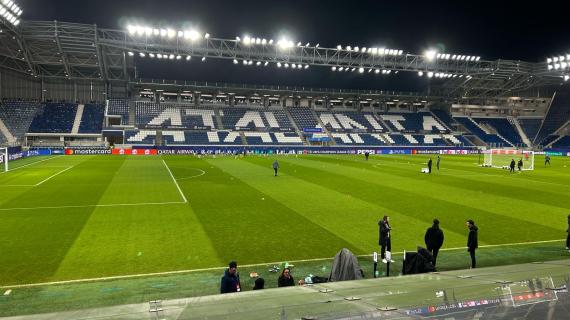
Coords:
96,216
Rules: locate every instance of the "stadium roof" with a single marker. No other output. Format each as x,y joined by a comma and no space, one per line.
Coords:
489,30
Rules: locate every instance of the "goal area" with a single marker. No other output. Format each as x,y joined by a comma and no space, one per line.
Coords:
3,159
501,158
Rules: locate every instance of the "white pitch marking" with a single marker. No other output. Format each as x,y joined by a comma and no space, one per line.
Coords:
97,205
241,266
192,177
175,182
29,164
7,292
52,176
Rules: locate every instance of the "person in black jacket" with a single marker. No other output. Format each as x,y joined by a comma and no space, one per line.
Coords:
384,240
512,166
568,236
230,280
429,164
520,164
259,284
286,279
434,239
472,241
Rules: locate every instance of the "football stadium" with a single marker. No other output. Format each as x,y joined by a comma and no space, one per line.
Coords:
157,162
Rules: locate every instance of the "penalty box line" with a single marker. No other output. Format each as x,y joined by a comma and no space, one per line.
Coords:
97,205
175,182
141,275
29,164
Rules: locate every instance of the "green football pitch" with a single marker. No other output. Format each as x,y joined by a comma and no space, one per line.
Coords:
77,217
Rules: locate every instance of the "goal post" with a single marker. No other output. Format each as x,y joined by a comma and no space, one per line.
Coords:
501,158
4,159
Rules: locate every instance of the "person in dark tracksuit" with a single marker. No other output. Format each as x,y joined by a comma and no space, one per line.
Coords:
512,166
520,165
366,155
437,162
429,164
472,241
568,236
546,159
230,281
434,239
384,240
275,167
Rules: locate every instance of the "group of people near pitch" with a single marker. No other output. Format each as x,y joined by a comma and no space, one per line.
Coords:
433,239
231,283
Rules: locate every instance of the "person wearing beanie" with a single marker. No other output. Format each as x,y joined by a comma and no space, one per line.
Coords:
434,239
384,239
230,280
472,241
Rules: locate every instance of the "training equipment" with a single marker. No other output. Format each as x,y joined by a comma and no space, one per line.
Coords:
501,158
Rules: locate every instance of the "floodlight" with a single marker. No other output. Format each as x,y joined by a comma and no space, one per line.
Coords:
356,49
556,66
278,64
257,41
131,54
258,63
142,55
317,45
132,29
266,63
306,66
171,33
308,44
431,54
293,66
163,32
151,55
203,59
333,68
339,47
270,41
148,31
369,70
401,52
391,52
566,77
377,71
420,73
341,69
159,56
568,57
430,74
238,39
555,59
207,36
263,41
235,61
171,57
188,58
348,48
245,62
180,34
156,32
363,49
286,65
361,70
352,70
563,65
561,58
249,63
246,40
299,44
194,35
178,57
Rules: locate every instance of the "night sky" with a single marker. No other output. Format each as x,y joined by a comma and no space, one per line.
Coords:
490,29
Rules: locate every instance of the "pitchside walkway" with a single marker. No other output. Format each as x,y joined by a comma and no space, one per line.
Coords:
512,289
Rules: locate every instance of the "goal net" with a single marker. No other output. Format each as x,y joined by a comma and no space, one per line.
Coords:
501,158
3,159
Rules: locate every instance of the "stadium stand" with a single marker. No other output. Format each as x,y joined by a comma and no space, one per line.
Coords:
54,118
475,129
92,120
17,117
303,117
119,107
503,127
550,139
558,114
530,126
445,117
563,142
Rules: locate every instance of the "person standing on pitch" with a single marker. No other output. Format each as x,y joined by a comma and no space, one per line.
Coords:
366,155
437,162
546,159
434,239
512,166
429,164
384,240
520,164
472,241
275,167
568,236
